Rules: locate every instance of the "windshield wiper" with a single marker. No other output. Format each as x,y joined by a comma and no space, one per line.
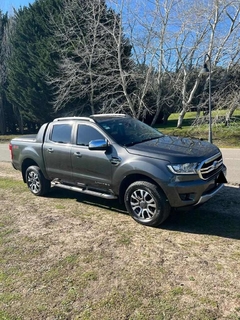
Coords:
153,138
140,141
131,143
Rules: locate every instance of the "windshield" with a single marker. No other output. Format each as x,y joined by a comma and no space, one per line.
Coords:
129,131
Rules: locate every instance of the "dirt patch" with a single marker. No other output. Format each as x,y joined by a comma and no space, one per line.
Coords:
69,256
6,170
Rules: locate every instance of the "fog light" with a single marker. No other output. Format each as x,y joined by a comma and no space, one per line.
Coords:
187,196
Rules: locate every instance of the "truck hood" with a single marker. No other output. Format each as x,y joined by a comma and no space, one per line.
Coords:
175,149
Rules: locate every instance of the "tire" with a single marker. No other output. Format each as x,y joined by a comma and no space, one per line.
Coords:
36,182
146,203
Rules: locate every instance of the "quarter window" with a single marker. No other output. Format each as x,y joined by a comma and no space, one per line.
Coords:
85,134
61,133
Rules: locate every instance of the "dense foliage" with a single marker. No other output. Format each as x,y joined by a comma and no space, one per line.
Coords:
31,60
5,107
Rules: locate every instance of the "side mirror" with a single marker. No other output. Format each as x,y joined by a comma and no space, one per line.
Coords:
100,144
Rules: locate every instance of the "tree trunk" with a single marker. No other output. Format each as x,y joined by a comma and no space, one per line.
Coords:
2,118
187,103
19,118
233,107
158,109
181,117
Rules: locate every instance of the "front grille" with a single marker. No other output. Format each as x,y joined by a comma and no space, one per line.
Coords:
208,168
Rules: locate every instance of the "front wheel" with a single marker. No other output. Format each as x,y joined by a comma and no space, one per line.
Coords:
36,181
146,203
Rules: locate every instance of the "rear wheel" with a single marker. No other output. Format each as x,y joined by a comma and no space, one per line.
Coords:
36,181
146,203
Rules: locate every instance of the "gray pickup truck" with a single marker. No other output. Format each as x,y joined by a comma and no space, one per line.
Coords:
116,156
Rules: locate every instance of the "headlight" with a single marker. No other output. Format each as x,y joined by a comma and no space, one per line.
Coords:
185,168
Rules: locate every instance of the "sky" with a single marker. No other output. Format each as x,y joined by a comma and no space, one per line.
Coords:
8,5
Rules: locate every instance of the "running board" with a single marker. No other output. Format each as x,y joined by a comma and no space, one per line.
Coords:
82,190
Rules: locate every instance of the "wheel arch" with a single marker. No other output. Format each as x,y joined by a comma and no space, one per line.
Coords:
25,164
132,178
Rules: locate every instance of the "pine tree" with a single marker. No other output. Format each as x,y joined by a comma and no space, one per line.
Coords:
3,24
32,61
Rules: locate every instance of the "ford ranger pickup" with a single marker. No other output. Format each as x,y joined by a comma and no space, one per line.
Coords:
116,156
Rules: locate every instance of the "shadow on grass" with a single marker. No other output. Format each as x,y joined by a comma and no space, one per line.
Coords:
112,205
220,216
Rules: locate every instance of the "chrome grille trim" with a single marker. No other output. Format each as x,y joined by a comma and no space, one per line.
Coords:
209,167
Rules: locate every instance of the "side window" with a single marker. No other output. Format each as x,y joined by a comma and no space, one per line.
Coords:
87,133
61,133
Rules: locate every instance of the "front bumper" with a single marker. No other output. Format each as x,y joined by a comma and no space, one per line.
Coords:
208,196
193,192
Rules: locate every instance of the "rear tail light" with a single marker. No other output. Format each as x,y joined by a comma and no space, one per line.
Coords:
11,152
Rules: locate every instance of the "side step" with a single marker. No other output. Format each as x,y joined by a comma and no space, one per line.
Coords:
83,190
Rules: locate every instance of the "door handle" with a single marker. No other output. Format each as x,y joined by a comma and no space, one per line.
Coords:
78,154
50,150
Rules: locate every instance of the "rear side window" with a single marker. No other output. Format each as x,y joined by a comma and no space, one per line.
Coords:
61,133
85,134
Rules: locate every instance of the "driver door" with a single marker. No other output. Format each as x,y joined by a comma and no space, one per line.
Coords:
90,168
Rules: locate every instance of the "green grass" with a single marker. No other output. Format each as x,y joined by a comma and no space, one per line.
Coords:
15,185
67,257
223,136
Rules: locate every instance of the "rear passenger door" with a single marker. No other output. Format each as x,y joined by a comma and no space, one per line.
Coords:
57,151
91,168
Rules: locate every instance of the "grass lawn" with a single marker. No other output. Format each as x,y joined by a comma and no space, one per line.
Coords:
223,136
69,256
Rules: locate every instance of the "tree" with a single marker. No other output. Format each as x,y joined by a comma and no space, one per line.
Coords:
3,71
94,60
226,95
147,25
170,39
216,27
31,60
139,57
